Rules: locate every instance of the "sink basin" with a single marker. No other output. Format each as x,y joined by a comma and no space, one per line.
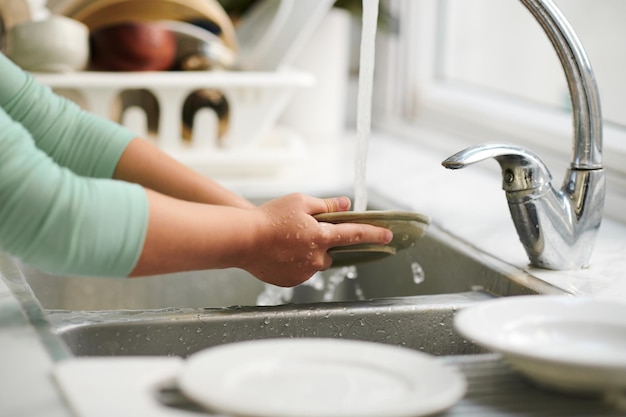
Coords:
439,263
424,323
408,299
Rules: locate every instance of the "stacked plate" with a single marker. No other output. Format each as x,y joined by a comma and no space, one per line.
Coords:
572,344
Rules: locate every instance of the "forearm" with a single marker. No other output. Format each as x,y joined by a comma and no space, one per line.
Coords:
145,164
279,242
184,236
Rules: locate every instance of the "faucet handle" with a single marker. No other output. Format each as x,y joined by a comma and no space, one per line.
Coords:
521,169
556,228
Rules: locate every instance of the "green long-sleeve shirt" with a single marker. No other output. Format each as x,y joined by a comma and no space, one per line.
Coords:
59,208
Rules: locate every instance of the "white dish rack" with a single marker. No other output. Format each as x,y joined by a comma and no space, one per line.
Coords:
251,143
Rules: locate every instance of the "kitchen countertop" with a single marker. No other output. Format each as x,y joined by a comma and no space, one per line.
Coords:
469,203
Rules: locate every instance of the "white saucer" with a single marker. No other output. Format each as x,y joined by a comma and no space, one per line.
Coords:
319,377
573,344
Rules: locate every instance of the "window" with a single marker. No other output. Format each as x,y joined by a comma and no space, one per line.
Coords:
497,45
485,71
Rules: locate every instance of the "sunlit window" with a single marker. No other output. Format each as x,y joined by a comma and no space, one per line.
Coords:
484,70
497,45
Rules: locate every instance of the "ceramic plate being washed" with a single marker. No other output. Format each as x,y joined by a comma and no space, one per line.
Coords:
572,344
319,377
407,227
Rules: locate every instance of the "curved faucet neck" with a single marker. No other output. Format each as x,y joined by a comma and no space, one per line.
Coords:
557,228
587,115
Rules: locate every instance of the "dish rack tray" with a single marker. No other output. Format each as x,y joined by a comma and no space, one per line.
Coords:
234,133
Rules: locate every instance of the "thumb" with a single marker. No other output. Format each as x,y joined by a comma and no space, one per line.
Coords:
337,204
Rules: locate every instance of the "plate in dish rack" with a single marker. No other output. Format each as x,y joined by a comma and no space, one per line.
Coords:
319,378
573,344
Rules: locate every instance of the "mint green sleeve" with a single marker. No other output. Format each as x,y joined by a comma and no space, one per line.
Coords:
52,215
61,222
83,142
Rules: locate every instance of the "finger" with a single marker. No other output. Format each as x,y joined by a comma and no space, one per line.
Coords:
336,204
313,205
346,234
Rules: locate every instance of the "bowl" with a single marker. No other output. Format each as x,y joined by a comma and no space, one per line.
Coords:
56,44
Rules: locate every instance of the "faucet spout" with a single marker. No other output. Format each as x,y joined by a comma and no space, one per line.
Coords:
558,228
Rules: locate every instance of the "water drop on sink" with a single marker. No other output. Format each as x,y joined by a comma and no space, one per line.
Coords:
418,273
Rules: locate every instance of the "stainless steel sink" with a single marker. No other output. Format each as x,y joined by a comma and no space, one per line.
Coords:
419,322
386,302
409,299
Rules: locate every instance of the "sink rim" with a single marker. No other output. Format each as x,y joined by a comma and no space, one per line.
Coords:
418,322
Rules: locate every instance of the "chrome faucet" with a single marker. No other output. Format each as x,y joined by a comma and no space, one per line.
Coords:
558,228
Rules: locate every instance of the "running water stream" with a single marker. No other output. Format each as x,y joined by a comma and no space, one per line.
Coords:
364,100
277,295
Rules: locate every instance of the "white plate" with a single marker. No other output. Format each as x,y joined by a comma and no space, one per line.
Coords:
319,377
574,344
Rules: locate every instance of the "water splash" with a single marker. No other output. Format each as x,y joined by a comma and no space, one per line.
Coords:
273,296
325,283
336,278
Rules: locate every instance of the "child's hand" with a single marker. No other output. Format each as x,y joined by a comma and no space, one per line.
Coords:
292,245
